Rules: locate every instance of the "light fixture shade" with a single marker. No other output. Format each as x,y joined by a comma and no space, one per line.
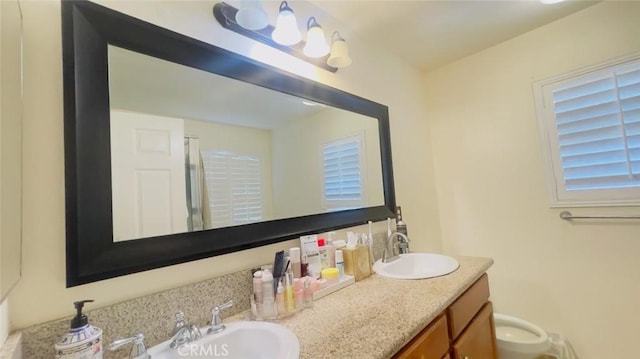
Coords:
286,31
316,45
339,52
251,15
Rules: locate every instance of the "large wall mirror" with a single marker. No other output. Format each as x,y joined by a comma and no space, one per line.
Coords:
178,150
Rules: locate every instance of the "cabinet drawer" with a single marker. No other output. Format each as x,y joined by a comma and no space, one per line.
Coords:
465,308
478,339
431,343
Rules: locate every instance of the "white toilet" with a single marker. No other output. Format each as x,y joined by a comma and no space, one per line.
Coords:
519,339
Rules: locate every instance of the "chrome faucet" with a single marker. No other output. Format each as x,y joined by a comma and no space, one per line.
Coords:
139,350
390,254
183,333
216,321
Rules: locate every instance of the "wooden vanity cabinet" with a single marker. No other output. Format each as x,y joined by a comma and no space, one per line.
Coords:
431,342
465,330
478,340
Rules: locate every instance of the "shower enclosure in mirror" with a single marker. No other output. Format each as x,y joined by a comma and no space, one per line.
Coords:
177,150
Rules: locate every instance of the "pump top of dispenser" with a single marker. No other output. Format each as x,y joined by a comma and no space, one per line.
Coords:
82,341
80,320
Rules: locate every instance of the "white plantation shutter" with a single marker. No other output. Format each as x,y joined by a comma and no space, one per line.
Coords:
593,123
234,187
246,189
343,168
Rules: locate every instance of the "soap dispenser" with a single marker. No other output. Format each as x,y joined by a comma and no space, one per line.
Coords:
82,341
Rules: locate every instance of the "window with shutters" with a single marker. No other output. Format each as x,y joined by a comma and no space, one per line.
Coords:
590,125
343,165
234,188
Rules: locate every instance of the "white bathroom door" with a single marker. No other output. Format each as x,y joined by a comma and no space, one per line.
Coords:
148,175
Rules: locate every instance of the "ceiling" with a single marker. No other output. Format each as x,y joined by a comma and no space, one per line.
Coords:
429,34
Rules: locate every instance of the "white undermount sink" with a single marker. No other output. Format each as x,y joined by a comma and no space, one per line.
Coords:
239,340
416,266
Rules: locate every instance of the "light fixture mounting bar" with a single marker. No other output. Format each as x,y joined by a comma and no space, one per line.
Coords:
226,16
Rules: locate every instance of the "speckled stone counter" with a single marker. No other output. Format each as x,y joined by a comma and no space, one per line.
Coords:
370,319
376,317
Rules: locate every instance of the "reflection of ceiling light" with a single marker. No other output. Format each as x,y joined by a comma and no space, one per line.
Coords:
551,1
309,103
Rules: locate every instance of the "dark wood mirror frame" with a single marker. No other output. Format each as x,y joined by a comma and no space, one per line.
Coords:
91,254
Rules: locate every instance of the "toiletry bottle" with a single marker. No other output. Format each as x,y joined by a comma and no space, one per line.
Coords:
288,291
257,286
331,253
340,263
311,254
298,293
82,341
324,254
268,297
308,294
401,227
294,256
280,299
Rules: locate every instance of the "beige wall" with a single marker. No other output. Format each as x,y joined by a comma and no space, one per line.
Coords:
44,215
580,279
297,159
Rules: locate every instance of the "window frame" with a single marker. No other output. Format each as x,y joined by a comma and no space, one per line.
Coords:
547,128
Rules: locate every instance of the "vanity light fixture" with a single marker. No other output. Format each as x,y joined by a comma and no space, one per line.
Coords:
339,51
316,42
286,31
251,15
286,36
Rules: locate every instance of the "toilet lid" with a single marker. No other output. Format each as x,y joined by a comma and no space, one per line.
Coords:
516,334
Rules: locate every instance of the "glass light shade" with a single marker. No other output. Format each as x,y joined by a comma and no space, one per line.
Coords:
339,54
286,31
316,45
251,15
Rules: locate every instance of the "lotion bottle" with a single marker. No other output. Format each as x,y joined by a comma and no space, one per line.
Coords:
82,341
280,299
308,294
294,256
268,300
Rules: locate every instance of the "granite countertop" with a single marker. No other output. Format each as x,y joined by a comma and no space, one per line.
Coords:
375,317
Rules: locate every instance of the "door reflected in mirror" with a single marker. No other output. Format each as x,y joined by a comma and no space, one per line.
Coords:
191,150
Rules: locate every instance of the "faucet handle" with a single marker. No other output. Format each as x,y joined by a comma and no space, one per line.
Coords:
226,305
179,322
138,351
216,321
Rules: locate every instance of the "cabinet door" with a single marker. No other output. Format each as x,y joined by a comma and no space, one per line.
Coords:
431,343
477,341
